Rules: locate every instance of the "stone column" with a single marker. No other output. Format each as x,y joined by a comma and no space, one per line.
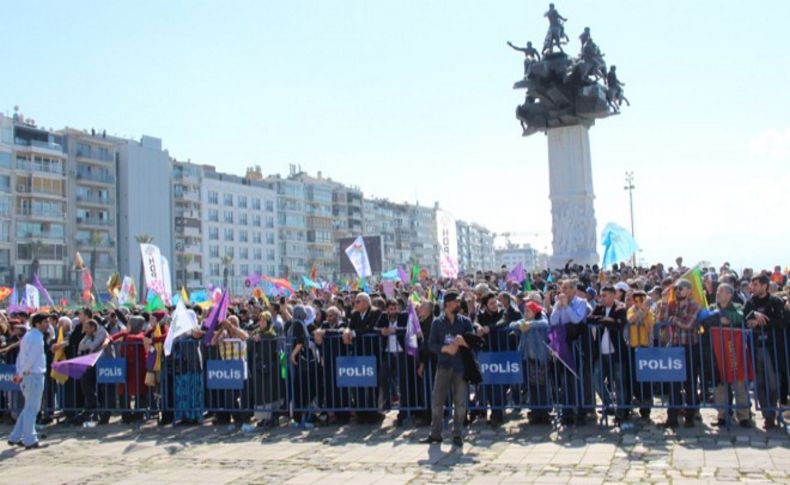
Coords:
571,192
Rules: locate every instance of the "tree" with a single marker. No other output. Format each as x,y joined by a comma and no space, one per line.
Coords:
226,261
142,239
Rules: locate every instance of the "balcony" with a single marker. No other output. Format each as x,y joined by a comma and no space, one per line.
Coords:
40,235
94,221
44,213
26,166
86,244
91,155
43,145
95,177
94,199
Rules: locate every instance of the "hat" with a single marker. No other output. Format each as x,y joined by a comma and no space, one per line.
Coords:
622,286
533,307
591,292
310,314
683,283
159,315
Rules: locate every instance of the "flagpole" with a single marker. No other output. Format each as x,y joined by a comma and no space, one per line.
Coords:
629,180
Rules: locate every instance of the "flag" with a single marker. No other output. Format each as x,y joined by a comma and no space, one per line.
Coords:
618,244
412,331
60,355
79,264
314,272
733,358
183,322
32,298
199,296
114,285
252,280
415,274
184,295
415,298
77,366
5,292
87,280
280,284
391,275
219,312
127,291
528,283
694,276
517,274
153,301
43,293
388,287
358,255
430,294
308,283
364,285
403,275
157,348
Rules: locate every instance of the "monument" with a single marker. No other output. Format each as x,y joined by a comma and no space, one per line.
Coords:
564,97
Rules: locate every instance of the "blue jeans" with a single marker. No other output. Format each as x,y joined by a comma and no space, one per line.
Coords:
25,428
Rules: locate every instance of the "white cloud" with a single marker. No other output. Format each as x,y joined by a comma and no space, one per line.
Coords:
772,143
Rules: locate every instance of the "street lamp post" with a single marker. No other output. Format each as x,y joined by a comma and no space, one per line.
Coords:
629,180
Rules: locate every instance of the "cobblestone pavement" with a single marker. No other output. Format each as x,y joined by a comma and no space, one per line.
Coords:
364,454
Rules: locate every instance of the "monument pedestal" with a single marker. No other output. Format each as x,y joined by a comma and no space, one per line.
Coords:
571,193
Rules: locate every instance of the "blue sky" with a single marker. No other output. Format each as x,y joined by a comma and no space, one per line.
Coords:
412,101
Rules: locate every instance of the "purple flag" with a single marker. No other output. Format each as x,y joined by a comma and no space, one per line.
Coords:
219,312
558,345
517,274
404,277
253,280
42,291
77,366
412,329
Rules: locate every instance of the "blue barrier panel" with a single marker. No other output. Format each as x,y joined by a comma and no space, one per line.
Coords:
225,374
356,372
7,378
501,367
660,364
111,371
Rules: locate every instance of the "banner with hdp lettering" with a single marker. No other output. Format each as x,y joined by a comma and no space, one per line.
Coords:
448,244
153,268
356,372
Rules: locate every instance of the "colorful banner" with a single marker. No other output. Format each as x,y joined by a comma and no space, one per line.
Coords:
358,255
153,268
448,244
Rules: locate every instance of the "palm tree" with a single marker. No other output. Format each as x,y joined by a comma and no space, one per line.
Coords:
35,250
95,241
226,261
142,239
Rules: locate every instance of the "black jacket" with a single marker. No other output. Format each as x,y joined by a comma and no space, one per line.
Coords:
616,328
468,354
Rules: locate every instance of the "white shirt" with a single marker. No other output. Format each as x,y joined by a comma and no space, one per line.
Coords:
392,340
31,359
606,343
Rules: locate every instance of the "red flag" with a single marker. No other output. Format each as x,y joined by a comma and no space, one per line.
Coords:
728,345
87,280
314,272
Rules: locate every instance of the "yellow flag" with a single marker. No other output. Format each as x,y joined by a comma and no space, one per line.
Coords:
158,347
184,295
60,354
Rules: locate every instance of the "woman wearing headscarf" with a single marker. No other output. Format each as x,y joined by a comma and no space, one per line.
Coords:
303,357
130,347
268,384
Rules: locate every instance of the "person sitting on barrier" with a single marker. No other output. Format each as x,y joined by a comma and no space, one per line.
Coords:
534,352
445,338
608,354
639,334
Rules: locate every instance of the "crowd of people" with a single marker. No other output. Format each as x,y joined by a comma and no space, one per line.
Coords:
577,330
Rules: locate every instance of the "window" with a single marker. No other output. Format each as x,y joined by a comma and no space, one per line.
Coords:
213,234
244,254
229,251
5,230
256,237
213,251
243,201
214,269
269,222
213,215
243,218
269,206
5,183
5,205
257,254
244,269
229,234
228,217
242,236
6,136
256,203
270,255
227,199
256,220
5,160
269,238
213,197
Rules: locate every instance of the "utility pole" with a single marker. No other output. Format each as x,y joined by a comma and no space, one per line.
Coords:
629,180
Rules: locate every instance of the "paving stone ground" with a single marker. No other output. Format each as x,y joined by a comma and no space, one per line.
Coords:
383,454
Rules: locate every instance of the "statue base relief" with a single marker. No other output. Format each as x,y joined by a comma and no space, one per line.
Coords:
574,227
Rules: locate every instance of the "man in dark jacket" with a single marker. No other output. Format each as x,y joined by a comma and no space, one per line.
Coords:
765,314
490,320
446,337
360,334
608,319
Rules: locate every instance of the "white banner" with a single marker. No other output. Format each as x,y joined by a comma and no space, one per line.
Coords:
184,321
32,298
358,255
167,279
126,291
152,267
448,244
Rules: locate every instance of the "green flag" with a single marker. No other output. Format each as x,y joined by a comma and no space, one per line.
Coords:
415,274
154,302
528,283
